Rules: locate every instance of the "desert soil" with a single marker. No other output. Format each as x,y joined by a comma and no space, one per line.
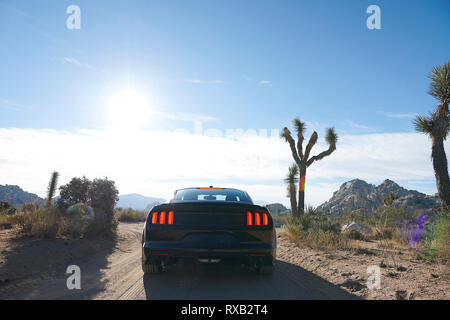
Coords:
399,267
36,269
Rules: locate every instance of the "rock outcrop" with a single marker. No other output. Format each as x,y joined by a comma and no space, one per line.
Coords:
357,194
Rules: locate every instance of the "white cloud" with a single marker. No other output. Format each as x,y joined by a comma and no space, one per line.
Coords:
264,82
75,62
155,163
400,115
358,128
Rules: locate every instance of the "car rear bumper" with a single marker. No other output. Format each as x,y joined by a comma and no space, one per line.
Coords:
173,251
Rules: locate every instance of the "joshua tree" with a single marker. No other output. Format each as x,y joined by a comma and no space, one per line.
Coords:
51,188
437,126
303,160
292,180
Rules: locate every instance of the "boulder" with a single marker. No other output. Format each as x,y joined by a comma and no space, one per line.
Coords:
358,228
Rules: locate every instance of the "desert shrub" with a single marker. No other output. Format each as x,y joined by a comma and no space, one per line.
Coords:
130,215
315,230
103,196
4,220
394,223
437,240
76,191
4,206
50,222
100,194
37,222
279,219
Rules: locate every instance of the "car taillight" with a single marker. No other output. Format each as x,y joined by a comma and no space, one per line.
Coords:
163,218
170,218
249,218
265,219
155,217
257,221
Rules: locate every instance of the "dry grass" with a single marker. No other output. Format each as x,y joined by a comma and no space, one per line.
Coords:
40,223
34,221
130,215
4,220
316,232
392,229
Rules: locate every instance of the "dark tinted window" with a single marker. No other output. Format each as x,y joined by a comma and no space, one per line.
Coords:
208,194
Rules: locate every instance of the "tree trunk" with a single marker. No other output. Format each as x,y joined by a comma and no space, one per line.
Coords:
293,198
301,190
441,171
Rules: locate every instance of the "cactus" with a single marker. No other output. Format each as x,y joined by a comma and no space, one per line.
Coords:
303,160
51,188
291,181
437,126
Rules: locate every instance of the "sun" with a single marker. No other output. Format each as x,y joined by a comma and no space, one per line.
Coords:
128,108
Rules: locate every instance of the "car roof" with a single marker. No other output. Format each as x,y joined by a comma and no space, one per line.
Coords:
210,188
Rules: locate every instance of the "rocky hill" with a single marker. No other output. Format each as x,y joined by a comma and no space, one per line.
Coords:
358,194
276,208
16,196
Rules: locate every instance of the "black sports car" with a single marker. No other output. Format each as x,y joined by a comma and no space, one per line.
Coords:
209,225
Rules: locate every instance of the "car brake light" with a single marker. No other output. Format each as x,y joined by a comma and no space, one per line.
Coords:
170,218
249,218
155,217
162,217
260,219
265,219
257,219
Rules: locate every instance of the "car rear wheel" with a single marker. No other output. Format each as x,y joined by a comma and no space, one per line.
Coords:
151,268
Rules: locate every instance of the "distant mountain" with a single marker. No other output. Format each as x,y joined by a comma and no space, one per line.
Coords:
277,208
260,203
17,197
358,194
136,201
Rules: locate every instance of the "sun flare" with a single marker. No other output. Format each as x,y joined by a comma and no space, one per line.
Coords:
128,108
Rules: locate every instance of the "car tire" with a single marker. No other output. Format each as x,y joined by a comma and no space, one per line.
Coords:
151,268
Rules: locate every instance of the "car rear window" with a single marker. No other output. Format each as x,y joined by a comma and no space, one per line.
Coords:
209,194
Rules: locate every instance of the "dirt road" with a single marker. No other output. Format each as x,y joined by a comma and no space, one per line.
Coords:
116,274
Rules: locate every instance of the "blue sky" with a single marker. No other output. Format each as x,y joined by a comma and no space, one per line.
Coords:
231,64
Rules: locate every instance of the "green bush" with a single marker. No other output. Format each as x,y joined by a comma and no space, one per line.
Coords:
100,194
437,241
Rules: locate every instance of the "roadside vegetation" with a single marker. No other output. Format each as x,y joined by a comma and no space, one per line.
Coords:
130,215
427,234
84,209
315,230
